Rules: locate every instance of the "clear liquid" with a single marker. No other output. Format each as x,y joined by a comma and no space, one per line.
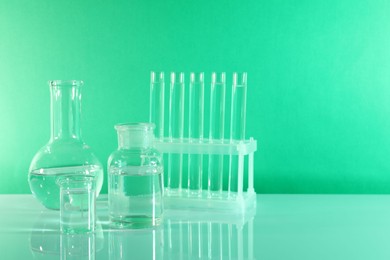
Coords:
44,187
78,211
135,196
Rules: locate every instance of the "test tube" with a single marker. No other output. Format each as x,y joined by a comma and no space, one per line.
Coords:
156,114
77,204
216,132
176,130
237,129
195,131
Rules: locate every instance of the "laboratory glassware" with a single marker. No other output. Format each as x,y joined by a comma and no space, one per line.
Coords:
224,178
195,131
237,126
157,90
66,153
77,204
176,130
216,131
135,172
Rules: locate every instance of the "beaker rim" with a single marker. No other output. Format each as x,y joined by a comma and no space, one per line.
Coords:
135,126
75,178
65,83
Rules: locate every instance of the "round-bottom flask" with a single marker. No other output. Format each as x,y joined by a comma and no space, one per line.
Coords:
66,153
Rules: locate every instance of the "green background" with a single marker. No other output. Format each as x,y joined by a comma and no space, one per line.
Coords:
318,79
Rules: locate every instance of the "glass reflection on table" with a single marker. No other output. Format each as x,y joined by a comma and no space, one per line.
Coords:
209,236
78,246
47,242
140,243
182,235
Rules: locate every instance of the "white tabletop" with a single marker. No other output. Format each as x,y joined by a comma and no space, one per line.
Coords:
283,227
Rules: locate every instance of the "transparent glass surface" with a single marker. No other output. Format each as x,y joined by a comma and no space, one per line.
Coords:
66,153
135,172
336,227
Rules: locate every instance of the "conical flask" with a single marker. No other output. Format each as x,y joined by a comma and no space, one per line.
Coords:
65,153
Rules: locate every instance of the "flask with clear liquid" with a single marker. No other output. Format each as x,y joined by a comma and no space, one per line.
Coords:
135,172
65,153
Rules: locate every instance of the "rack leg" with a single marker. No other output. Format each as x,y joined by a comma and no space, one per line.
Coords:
240,175
250,173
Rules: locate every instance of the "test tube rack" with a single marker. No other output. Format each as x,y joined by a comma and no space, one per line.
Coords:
214,172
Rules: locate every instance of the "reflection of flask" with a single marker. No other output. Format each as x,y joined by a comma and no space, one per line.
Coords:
135,178
66,153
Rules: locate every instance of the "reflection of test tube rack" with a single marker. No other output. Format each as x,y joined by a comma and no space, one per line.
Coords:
208,236
198,235
203,169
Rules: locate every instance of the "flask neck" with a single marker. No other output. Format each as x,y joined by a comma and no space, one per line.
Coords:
135,136
65,109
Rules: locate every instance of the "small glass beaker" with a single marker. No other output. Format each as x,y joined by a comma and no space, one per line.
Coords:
135,172
77,204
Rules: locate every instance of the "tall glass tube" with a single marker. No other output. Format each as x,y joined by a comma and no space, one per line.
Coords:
176,129
238,106
157,89
217,131
237,127
195,130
